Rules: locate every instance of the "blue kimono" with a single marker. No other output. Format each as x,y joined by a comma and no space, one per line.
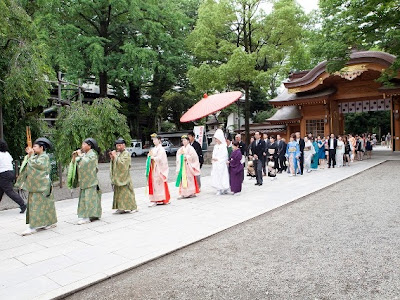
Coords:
314,164
293,153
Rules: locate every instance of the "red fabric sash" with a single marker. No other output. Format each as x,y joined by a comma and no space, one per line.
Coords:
151,180
167,195
196,185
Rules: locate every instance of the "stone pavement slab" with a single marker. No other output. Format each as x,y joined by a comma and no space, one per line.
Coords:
56,262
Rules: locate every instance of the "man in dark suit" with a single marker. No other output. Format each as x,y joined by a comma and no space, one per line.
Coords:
257,152
242,146
281,154
302,145
267,143
195,144
332,144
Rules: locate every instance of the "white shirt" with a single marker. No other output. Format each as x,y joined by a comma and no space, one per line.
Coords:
331,144
6,162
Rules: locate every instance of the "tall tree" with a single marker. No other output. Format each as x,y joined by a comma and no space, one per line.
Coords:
360,24
101,121
237,45
135,46
23,71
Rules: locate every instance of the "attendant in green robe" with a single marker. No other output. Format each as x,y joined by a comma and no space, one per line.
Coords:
229,145
124,195
89,206
35,178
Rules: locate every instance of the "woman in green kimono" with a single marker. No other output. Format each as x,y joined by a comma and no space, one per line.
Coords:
35,178
89,206
124,195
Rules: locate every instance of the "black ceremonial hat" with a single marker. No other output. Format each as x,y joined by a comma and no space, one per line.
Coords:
43,142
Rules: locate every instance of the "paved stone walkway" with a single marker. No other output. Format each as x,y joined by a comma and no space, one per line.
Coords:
341,242
56,262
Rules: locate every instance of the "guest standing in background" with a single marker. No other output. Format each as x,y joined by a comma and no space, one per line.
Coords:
309,152
300,141
281,154
293,155
315,158
258,148
332,144
339,152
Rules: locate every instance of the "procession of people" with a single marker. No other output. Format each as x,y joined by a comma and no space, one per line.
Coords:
265,156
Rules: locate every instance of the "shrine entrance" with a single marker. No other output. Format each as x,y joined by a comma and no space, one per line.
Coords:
370,116
352,100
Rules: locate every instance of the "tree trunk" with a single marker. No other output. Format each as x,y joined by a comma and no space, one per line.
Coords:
1,123
134,107
103,80
247,112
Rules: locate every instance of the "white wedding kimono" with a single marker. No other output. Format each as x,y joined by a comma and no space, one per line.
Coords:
309,151
339,153
219,171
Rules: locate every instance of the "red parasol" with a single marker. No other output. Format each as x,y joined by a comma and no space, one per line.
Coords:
209,105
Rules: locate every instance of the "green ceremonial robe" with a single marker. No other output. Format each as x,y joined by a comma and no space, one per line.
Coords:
124,195
89,205
35,178
230,149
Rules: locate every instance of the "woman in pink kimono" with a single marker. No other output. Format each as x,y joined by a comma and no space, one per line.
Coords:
187,168
157,173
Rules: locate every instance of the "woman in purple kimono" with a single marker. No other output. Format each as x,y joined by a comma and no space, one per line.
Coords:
236,169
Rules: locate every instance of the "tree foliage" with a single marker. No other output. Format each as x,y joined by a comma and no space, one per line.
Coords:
173,105
101,121
135,46
261,116
238,46
360,24
377,122
23,70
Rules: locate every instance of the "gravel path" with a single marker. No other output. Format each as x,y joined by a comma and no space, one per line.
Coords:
340,243
137,172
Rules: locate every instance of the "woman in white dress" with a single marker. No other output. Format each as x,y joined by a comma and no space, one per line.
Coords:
219,171
339,152
309,151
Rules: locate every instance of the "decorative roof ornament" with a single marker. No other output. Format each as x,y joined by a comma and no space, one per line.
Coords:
351,72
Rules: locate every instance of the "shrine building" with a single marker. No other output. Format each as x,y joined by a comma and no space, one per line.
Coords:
316,101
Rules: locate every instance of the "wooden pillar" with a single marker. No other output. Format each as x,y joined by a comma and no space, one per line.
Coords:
334,117
303,127
341,123
302,123
287,132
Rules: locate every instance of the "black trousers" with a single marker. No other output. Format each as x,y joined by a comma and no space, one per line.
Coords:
6,186
282,163
264,168
332,157
302,162
258,166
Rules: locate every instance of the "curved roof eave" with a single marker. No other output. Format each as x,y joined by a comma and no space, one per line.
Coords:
286,98
381,58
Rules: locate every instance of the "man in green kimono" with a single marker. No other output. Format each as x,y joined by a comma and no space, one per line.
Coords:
89,206
124,195
35,178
